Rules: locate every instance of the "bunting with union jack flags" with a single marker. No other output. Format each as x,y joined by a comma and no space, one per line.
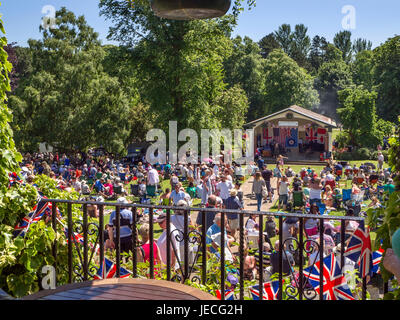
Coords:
40,210
229,294
359,249
270,291
108,270
334,282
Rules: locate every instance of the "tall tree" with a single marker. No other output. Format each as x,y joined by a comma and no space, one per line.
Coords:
363,69
360,45
180,63
387,74
342,41
358,116
284,37
333,75
300,46
316,53
245,68
287,84
267,44
69,101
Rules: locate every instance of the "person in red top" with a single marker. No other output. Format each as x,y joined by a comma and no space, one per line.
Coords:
144,233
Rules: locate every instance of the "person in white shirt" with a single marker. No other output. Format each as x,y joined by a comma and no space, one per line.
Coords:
162,240
224,187
216,170
152,177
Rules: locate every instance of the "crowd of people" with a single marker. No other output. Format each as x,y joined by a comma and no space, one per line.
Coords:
215,185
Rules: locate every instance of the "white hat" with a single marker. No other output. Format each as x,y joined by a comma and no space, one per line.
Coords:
122,200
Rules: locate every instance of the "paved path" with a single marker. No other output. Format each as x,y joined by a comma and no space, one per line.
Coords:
250,202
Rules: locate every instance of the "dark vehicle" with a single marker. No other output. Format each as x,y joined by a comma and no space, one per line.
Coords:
136,151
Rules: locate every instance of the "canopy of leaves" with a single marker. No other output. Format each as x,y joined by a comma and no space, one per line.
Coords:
287,84
358,116
179,63
386,60
68,100
245,67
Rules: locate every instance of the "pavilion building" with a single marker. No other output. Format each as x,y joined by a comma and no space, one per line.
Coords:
301,134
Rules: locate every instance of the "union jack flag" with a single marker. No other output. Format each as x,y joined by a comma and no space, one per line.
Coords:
270,291
334,283
229,294
13,179
359,249
311,135
75,236
376,260
108,270
38,211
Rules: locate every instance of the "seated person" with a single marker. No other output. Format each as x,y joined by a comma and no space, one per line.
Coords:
213,237
289,172
164,198
375,203
287,265
250,265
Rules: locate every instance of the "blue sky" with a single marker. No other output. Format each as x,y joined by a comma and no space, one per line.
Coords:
376,20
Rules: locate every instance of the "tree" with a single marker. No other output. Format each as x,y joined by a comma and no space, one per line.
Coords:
179,63
245,68
332,76
363,69
284,37
342,41
300,46
317,52
358,116
360,45
287,84
233,107
387,74
267,44
68,100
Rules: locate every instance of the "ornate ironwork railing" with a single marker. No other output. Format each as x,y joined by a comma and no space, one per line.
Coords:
192,244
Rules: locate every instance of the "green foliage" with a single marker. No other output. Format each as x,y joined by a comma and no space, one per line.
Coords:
287,84
245,68
68,100
390,213
22,258
342,41
362,68
358,116
387,74
179,63
333,75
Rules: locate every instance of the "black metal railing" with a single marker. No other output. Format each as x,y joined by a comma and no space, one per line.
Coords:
195,270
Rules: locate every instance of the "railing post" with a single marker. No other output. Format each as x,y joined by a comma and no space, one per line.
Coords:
222,247
301,248
118,239
169,244
321,259
280,296
260,257
151,231
204,246
85,243
134,241
101,233
186,245
241,250
70,242
54,225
